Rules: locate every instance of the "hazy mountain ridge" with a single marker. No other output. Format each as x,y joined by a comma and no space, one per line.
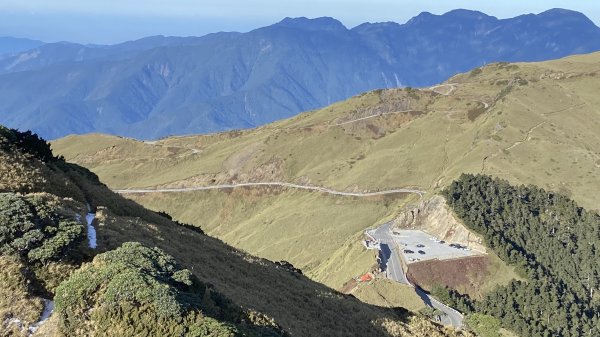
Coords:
163,85
10,45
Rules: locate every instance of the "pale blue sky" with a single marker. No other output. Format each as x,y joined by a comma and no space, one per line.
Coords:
110,21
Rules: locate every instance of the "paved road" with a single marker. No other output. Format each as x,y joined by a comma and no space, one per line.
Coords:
280,184
392,265
451,317
388,254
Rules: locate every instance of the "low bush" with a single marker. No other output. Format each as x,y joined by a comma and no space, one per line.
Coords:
32,229
137,290
27,142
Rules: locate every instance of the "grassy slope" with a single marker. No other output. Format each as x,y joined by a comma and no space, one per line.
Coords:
387,293
316,233
542,131
299,305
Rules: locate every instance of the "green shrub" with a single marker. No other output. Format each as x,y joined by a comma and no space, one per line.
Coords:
31,229
483,325
137,290
27,142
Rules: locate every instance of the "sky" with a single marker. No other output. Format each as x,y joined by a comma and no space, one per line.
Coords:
112,21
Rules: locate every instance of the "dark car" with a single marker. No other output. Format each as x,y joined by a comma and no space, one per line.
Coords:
421,252
420,245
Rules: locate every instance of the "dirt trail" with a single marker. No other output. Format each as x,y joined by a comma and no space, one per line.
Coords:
155,143
371,116
526,138
436,88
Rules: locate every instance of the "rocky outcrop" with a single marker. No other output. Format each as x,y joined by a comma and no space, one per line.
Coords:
434,217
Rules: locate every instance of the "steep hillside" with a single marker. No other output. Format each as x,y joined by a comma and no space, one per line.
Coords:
171,86
489,120
550,239
526,122
144,268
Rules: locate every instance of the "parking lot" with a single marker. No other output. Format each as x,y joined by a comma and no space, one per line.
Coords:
416,245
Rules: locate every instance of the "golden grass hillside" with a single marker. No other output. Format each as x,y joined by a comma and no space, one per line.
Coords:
270,294
527,122
534,123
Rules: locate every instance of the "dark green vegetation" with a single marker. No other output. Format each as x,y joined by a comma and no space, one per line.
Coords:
554,244
31,228
27,142
146,286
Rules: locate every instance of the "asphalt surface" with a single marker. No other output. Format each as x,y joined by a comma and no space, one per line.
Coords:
388,254
391,263
416,240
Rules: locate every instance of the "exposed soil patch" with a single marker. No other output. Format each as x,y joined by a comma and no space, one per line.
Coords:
435,218
236,161
348,286
476,112
465,275
377,131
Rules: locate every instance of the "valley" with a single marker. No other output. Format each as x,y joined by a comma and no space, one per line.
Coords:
101,287
160,86
305,189
442,135
390,169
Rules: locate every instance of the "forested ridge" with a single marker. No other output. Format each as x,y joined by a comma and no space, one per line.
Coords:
552,241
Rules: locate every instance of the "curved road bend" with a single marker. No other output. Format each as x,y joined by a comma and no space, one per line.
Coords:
392,265
280,184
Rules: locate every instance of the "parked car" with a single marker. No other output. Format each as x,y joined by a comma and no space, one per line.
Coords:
421,252
420,245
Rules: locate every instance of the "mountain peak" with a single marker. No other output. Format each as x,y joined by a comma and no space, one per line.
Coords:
321,23
564,14
561,12
454,15
465,14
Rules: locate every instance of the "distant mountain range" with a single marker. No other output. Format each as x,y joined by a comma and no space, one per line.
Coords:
13,45
161,86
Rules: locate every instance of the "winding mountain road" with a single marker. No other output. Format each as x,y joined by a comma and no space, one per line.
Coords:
279,184
392,264
390,261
